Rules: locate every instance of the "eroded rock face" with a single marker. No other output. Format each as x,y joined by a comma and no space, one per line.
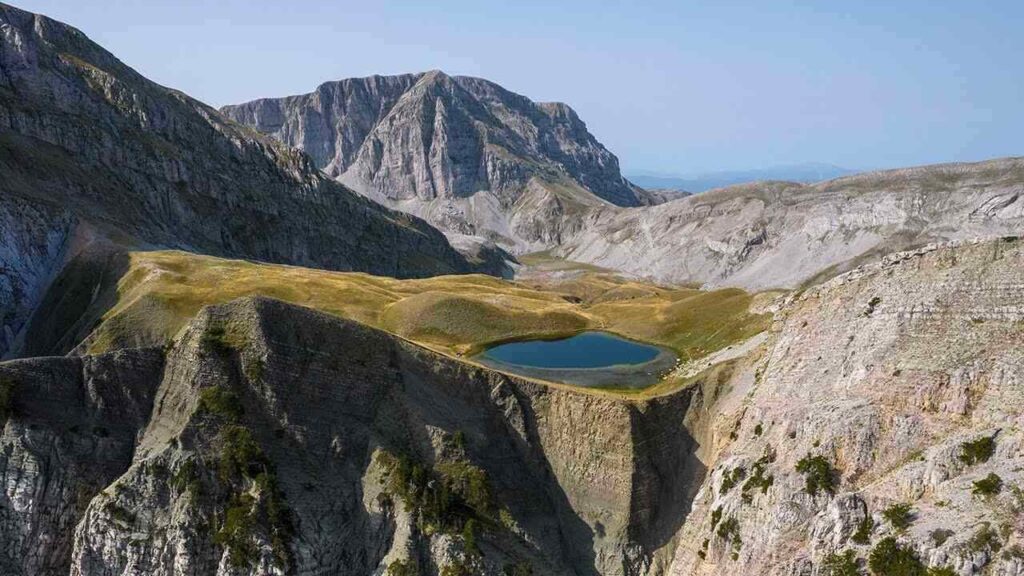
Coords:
886,373
464,153
780,235
33,241
69,430
577,483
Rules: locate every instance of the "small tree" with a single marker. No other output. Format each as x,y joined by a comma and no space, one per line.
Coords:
988,486
888,558
818,474
899,516
844,564
977,451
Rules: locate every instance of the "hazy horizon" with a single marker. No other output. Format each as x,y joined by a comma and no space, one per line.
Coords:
668,89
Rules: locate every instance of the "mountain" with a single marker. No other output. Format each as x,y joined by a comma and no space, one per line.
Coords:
781,235
267,438
806,173
463,153
93,153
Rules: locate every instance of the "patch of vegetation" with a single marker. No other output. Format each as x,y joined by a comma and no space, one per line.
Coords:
941,571
457,568
759,478
889,558
899,516
939,536
186,478
254,500
862,535
469,537
978,451
732,477
716,516
1015,552
818,474
221,402
984,539
844,564
729,530
215,340
446,498
403,568
759,429
988,486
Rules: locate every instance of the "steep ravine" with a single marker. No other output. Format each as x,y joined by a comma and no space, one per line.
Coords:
576,483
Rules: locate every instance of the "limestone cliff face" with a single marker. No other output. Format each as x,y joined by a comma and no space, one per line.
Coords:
779,235
302,407
889,374
85,139
464,153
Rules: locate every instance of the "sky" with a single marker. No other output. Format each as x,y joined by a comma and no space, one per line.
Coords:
673,87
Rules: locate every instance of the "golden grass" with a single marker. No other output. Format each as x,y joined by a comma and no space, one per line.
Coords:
458,315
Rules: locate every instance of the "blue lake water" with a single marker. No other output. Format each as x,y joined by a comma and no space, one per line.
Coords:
585,350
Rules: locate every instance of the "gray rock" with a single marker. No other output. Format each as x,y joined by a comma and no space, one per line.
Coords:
464,153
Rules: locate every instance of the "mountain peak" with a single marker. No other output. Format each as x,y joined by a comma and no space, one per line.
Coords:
463,152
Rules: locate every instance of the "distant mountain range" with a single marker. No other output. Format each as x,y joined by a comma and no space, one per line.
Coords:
805,173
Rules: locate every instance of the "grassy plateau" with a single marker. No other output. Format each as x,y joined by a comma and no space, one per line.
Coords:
455,315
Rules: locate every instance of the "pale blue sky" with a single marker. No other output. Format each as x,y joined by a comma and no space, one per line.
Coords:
671,86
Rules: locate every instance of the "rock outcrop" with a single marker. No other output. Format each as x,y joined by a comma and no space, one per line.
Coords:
464,153
86,140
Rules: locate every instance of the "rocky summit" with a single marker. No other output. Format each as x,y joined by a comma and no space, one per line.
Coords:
464,153
232,348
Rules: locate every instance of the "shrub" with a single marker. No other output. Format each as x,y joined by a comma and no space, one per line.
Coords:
729,530
119,513
818,474
186,478
731,478
758,430
236,533
978,451
456,569
215,340
988,486
864,529
899,516
941,571
888,558
403,568
940,535
984,539
716,515
469,483
469,537
221,402
240,455
844,564
758,480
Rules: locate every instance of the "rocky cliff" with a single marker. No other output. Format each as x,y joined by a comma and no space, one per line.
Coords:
882,431
781,235
87,142
464,153
274,439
